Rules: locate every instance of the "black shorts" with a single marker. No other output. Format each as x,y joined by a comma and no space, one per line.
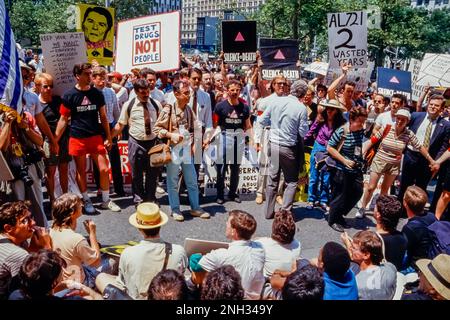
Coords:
63,156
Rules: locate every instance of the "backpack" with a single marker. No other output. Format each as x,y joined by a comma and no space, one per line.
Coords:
439,238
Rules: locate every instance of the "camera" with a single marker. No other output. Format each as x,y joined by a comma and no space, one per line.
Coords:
22,174
33,156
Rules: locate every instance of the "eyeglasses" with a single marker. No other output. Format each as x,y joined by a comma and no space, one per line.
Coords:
47,86
186,93
280,83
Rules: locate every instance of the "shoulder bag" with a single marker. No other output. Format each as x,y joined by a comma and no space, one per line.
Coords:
160,154
323,159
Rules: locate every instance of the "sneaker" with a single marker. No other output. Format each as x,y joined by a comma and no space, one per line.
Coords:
324,207
235,199
310,205
220,201
89,207
177,216
360,213
110,205
160,190
337,227
279,200
259,200
200,213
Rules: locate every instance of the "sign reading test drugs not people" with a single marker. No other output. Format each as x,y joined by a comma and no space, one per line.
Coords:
239,41
347,39
151,41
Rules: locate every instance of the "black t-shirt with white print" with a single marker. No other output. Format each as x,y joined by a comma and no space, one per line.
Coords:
231,117
84,109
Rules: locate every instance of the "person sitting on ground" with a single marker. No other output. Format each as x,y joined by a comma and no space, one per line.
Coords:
281,249
224,283
339,279
387,214
168,285
245,255
416,229
81,256
41,274
139,264
377,280
16,227
434,279
304,284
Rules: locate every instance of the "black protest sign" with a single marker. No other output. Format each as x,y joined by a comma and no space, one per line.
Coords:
239,41
279,56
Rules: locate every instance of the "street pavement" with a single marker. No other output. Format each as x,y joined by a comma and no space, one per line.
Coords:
312,229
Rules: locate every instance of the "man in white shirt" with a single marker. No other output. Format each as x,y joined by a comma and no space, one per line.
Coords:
245,255
397,101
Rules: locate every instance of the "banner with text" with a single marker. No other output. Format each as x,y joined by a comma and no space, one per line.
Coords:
347,39
62,51
239,41
390,81
360,76
318,67
435,70
151,41
97,24
414,68
279,56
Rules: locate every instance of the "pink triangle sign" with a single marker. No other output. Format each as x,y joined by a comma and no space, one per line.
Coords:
279,55
239,37
394,80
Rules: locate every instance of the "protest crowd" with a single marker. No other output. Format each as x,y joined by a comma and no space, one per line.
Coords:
170,121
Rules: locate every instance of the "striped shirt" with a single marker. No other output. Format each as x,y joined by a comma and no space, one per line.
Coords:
392,147
11,259
351,149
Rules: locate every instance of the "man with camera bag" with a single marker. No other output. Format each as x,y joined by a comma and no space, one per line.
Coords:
20,144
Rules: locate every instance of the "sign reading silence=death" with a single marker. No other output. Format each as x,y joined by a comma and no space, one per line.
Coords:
390,81
239,41
347,39
279,56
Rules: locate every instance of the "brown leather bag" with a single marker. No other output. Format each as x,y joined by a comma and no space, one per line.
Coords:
160,154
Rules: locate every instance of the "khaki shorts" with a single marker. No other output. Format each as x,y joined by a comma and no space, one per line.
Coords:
381,167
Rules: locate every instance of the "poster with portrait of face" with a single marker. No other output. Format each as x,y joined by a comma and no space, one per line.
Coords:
97,24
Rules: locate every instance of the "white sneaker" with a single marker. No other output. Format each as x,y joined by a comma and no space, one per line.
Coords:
89,207
160,190
360,213
110,205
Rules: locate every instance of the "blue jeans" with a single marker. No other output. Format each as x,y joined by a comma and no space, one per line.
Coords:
190,179
319,180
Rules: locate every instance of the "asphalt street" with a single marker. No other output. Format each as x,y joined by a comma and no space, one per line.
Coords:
312,229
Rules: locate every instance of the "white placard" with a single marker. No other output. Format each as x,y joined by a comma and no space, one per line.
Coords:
318,67
347,38
373,17
61,52
435,70
414,68
151,41
5,172
360,76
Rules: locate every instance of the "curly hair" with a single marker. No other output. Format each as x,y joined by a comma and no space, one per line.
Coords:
390,211
63,209
39,273
369,242
304,284
10,212
244,224
168,285
224,283
283,227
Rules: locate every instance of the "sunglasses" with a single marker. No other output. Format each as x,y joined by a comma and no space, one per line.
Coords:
47,86
280,83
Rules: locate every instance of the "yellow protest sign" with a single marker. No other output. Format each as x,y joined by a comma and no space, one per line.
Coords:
97,24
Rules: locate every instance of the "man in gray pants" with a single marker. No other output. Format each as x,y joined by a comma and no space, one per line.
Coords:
288,121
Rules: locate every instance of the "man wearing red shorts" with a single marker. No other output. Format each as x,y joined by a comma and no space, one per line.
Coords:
85,106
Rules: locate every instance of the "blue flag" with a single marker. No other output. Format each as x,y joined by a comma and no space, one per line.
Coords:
10,77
